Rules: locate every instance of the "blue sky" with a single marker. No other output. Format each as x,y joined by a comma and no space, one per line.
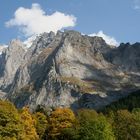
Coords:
117,18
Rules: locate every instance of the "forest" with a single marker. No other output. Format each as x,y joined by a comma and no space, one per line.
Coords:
118,121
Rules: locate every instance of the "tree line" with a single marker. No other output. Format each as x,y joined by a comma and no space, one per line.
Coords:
118,121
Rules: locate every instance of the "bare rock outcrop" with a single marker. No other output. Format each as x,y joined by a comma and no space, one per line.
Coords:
68,69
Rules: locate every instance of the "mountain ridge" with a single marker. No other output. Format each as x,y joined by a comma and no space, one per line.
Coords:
68,69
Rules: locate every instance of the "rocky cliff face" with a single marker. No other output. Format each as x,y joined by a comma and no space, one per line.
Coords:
68,69
10,60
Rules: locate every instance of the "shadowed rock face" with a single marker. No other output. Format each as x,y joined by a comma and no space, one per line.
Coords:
69,70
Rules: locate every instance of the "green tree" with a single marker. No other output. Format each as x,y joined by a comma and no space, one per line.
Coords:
94,126
41,124
126,125
70,133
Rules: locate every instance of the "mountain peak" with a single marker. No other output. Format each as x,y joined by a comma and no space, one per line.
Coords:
2,47
15,42
68,69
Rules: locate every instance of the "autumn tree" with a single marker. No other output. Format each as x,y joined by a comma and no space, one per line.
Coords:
10,125
60,119
29,125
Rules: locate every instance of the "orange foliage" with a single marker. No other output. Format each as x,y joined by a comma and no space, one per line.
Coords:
61,118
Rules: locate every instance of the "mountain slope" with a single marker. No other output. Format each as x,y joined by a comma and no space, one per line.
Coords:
72,70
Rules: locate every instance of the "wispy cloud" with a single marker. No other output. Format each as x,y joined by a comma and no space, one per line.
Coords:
35,21
108,39
136,5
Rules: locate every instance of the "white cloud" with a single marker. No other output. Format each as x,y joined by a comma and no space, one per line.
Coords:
108,39
35,20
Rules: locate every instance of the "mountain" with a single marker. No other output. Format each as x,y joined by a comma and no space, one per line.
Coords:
2,47
68,69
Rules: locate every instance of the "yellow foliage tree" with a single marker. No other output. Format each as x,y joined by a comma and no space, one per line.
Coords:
60,119
29,125
10,126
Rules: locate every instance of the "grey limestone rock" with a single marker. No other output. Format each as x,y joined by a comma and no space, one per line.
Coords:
10,60
68,69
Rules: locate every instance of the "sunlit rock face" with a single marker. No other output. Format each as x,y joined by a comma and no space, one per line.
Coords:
68,69
10,60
